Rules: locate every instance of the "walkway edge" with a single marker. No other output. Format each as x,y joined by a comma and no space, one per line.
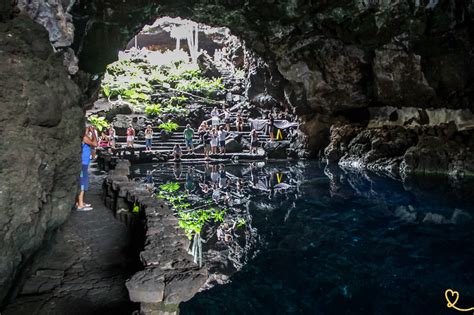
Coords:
170,275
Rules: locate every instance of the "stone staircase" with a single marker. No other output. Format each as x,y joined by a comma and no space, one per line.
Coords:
165,146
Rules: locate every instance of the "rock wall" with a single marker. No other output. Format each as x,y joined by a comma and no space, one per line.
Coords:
40,139
401,152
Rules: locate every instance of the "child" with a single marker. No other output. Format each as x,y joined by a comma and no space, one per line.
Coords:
148,137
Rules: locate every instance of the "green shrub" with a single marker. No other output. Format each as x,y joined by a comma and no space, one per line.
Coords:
169,126
153,109
99,122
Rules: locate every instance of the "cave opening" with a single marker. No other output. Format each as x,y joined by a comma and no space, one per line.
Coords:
383,92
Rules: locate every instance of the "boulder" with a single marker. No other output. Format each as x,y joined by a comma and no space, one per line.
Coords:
233,146
276,149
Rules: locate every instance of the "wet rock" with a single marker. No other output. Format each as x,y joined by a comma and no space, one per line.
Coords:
54,16
233,146
399,78
340,137
42,124
207,66
276,149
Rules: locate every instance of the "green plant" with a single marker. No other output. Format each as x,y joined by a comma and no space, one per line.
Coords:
177,100
169,126
153,109
241,223
170,187
99,122
175,110
202,85
136,208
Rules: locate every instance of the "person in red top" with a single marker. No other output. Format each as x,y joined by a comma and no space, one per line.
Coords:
130,135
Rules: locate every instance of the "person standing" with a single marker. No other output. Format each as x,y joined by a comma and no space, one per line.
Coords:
214,141
239,123
148,137
206,140
253,141
177,152
188,138
270,125
227,119
215,117
130,135
222,135
89,141
112,136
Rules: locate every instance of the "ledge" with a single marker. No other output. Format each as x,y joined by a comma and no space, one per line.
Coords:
170,275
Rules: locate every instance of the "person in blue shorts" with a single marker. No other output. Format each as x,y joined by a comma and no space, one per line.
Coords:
188,138
89,141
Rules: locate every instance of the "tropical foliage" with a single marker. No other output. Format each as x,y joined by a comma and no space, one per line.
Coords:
137,76
99,122
191,220
169,126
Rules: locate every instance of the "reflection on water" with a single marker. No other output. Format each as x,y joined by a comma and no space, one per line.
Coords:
323,241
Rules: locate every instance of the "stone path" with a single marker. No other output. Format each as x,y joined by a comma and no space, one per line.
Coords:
84,268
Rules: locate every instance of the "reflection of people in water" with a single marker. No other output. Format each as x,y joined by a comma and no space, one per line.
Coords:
214,174
216,194
149,181
226,232
177,170
204,187
189,184
222,177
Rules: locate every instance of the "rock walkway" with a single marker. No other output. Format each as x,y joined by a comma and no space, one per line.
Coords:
84,268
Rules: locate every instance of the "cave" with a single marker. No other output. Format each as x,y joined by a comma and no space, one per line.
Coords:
363,108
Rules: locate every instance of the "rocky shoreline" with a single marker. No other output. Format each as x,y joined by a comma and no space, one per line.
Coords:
401,152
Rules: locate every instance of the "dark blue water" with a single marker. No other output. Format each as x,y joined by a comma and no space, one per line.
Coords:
331,242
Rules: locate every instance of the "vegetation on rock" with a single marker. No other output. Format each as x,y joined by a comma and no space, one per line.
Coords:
139,77
191,220
99,123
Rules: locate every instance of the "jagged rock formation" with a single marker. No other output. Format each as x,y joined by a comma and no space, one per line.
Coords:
400,151
40,139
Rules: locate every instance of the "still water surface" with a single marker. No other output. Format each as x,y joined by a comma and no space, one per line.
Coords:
325,241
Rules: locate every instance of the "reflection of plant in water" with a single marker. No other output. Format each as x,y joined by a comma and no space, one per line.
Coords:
241,223
170,187
191,220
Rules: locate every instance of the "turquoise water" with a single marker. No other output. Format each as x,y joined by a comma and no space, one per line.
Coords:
329,242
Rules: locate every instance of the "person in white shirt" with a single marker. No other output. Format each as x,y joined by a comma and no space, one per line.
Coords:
214,141
215,117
